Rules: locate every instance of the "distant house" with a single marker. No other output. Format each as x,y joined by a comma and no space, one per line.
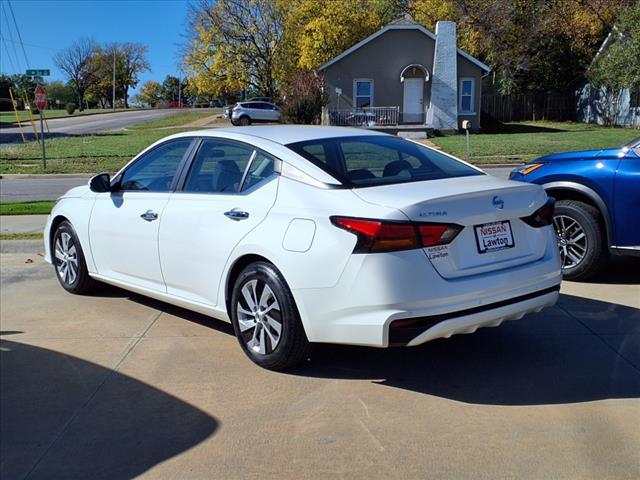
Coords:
596,105
405,74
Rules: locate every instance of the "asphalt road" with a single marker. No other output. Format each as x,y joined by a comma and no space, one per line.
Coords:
117,386
22,188
82,125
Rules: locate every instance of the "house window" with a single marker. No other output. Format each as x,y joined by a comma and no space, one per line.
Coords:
634,101
362,93
467,93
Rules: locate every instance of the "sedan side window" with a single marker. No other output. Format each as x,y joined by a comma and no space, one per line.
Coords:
154,171
262,167
218,167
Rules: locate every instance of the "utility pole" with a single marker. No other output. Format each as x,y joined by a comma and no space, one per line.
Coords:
180,91
113,96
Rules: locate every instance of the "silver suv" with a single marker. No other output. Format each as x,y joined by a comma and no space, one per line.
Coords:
246,113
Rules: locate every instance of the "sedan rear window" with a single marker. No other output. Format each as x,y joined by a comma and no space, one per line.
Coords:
363,161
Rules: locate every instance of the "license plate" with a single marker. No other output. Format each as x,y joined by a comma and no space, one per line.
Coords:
494,236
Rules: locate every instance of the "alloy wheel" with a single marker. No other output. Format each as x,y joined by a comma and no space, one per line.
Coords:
66,256
572,240
259,317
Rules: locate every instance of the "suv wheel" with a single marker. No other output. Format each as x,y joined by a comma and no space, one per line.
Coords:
244,121
580,239
266,320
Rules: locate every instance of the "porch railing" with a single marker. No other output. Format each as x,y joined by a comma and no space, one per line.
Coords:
365,117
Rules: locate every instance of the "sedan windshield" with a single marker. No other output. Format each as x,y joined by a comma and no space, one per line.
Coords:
368,160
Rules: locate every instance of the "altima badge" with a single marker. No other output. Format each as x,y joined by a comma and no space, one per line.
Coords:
498,202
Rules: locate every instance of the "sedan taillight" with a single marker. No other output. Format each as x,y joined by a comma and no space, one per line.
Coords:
543,216
385,236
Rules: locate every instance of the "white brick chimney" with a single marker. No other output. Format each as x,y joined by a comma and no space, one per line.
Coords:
443,111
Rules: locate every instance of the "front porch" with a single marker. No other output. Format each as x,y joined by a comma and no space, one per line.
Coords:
374,117
385,119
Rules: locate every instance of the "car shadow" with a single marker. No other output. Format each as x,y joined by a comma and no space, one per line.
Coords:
567,354
494,126
618,271
64,417
541,359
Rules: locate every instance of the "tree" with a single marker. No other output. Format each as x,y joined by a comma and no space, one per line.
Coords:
150,93
77,63
171,89
134,62
316,30
59,94
233,45
531,45
616,67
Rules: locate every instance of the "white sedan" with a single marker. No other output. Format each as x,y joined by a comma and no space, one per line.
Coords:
302,234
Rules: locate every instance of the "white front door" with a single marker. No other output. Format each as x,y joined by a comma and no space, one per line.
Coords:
217,207
124,225
413,105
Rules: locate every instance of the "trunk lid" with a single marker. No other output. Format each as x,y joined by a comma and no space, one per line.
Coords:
471,202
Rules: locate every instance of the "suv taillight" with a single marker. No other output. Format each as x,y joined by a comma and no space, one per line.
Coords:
543,216
385,236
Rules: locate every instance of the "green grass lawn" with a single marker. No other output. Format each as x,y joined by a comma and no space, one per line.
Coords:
104,152
7,118
522,142
517,143
42,207
177,119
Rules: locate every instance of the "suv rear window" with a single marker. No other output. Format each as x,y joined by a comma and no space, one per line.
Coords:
368,160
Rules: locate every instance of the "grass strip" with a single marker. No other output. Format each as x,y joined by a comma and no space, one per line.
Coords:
21,236
40,207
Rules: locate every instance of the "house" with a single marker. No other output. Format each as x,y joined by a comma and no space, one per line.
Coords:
404,74
597,105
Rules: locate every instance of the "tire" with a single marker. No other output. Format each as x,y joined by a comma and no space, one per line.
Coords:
69,261
244,121
580,239
261,285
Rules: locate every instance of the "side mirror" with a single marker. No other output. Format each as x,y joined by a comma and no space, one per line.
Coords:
100,183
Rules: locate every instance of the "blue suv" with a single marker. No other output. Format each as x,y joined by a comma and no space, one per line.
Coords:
597,210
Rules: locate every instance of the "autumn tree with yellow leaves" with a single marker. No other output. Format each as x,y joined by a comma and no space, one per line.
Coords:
259,45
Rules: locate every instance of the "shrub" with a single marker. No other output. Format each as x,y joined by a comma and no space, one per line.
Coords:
34,110
303,98
70,108
303,110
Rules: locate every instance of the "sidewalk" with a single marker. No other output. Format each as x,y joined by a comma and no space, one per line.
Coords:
22,223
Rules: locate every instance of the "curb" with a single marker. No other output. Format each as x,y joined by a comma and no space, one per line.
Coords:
22,246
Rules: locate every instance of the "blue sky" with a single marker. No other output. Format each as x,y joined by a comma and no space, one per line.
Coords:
49,25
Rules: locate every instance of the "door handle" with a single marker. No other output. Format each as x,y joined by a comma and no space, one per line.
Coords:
149,216
236,214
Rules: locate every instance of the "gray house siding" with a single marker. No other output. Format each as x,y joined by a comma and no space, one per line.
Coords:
382,60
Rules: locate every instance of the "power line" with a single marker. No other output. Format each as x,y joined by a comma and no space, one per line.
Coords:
13,44
37,46
8,56
18,32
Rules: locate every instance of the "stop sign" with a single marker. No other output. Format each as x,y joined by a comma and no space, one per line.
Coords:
41,97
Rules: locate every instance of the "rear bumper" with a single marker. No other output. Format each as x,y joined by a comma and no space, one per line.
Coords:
376,290
415,331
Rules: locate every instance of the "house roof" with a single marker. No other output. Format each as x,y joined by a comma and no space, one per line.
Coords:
401,24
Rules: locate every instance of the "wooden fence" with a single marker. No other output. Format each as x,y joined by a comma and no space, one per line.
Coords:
538,106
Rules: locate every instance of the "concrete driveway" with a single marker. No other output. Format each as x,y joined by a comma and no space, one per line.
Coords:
115,386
